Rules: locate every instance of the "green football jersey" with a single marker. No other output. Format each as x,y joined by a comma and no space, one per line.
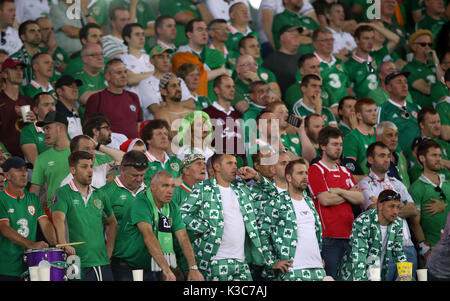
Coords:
335,81
171,164
119,197
32,134
405,118
130,246
418,70
172,8
23,214
302,110
422,191
290,18
443,108
356,143
84,222
362,75
51,167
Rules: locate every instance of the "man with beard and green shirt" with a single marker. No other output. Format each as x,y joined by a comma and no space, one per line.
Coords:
402,113
51,167
79,213
361,67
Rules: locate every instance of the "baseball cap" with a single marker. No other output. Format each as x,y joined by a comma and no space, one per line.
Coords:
393,75
15,162
158,49
191,158
417,34
165,80
12,63
417,141
67,80
52,117
289,27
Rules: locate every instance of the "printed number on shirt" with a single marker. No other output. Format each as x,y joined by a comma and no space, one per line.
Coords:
23,229
334,81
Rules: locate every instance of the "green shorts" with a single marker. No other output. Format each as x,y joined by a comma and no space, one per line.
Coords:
228,270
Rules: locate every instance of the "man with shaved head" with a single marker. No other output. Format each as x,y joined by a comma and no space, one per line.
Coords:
145,237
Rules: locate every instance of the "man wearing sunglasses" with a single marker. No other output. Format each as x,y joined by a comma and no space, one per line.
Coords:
376,234
424,69
431,194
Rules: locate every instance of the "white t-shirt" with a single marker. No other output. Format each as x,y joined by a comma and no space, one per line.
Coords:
342,40
219,9
233,238
98,177
31,9
383,241
307,253
12,41
113,45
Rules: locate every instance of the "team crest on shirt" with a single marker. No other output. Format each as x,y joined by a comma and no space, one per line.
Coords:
96,10
133,108
175,166
339,67
295,140
264,76
325,117
414,114
31,210
98,203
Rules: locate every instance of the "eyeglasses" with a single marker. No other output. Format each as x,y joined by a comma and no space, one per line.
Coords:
424,44
441,193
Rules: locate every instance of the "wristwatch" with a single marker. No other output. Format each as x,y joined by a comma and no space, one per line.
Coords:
194,267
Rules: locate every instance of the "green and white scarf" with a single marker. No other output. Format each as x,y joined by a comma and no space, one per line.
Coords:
163,230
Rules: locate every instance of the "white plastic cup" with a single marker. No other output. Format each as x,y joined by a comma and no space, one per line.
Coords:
422,274
374,274
24,110
138,275
34,273
44,273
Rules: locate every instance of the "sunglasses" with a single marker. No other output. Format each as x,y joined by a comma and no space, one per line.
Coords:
390,197
425,44
137,165
441,193
370,67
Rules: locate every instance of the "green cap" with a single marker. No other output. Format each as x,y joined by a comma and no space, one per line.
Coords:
191,158
158,49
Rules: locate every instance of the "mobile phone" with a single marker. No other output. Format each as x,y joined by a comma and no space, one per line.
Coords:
294,120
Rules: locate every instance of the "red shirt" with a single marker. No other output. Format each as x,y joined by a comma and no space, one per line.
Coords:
227,127
123,110
11,124
337,220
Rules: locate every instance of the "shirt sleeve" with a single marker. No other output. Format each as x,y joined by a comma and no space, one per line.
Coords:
317,182
38,172
3,213
60,202
140,211
367,192
26,137
92,105
350,149
178,223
